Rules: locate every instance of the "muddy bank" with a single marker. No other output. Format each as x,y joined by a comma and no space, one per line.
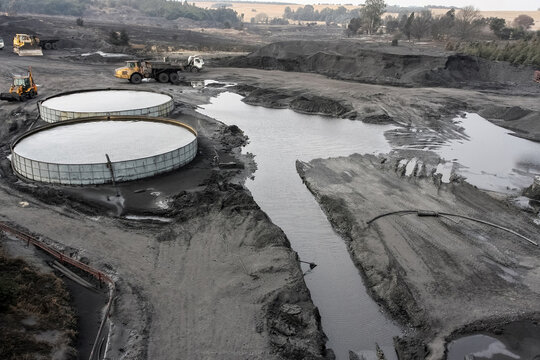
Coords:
298,101
413,108
518,339
386,65
525,122
437,275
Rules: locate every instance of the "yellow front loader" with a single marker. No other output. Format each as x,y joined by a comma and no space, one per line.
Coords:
27,45
23,88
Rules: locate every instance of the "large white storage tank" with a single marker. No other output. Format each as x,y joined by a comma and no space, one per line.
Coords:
74,152
104,102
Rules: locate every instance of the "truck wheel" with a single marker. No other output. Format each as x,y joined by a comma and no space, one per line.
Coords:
55,46
173,78
163,77
47,46
135,78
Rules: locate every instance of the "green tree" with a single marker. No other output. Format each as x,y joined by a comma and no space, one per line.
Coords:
468,23
391,24
496,25
288,13
371,15
421,25
408,26
261,18
442,26
524,21
124,37
354,25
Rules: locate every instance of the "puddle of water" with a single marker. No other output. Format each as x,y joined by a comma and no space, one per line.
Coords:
517,340
491,158
350,318
145,218
104,54
445,169
480,347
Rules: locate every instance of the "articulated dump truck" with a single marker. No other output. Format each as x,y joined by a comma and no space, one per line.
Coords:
163,72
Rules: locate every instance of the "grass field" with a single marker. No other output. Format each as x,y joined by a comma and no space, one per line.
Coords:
276,10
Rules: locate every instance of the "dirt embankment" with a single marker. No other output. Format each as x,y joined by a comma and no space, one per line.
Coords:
298,101
36,319
386,65
437,274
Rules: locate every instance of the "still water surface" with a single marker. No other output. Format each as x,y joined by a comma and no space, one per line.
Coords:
350,318
488,156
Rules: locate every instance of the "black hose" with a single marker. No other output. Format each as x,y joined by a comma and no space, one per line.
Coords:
429,213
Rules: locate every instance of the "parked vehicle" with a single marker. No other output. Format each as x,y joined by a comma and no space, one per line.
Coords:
136,70
31,45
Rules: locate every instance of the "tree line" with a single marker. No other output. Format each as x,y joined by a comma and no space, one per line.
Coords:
50,7
308,13
465,23
170,10
462,29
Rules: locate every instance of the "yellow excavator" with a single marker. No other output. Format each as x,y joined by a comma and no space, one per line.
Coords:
27,45
23,88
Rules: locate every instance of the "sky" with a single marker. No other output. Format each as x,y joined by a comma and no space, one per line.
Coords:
485,5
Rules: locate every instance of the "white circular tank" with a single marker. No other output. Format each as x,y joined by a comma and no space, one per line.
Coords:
104,102
77,152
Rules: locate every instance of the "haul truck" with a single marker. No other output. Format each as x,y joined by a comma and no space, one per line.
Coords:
136,70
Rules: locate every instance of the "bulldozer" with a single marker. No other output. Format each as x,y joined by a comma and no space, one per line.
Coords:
26,45
23,88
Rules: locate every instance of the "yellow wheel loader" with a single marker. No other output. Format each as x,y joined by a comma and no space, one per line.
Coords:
27,45
23,88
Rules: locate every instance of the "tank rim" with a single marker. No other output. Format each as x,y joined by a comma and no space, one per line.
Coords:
98,119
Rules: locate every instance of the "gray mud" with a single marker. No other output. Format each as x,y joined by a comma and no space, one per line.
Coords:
438,275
